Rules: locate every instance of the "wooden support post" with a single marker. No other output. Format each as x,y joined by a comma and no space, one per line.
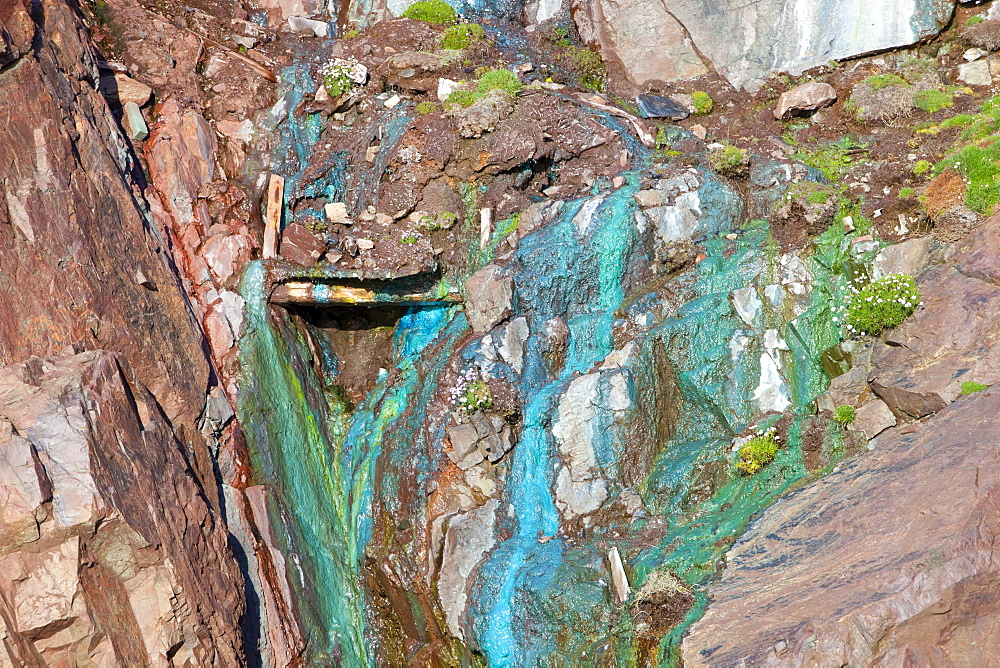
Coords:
272,223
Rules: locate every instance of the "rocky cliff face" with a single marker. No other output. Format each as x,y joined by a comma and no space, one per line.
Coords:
113,539
114,549
744,42
495,356
891,557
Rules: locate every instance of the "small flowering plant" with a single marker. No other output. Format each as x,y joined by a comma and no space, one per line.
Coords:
341,75
471,394
882,304
758,452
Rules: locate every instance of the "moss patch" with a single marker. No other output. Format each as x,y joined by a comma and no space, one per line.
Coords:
431,11
462,36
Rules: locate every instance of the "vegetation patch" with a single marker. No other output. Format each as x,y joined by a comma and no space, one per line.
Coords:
932,100
906,192
703,103
985,35
431,11
922,167
426,107
758,452
882,304
430,222
340,76
973,21
490,80
880,81
588,65
971,386
833,160
980,165
884,98
845,415
462,36
471,393
730,161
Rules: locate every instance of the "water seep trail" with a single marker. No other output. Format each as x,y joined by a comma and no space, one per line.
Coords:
574,268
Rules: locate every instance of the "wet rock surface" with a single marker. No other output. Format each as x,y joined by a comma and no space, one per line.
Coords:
639,295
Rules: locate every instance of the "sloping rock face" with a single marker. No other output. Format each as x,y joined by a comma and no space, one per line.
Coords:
891,560
746,41
73,236
113,544
955,337
111,551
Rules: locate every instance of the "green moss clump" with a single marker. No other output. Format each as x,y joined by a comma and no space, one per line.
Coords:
880,81
758,452
932,100
489,80
463,98
973,21
980,165
499,80
922,167
352,33
730,160
442,221
426,107
906,192
462,36
844,414
431,11
971,386
832,159
703,103
882,304
588,66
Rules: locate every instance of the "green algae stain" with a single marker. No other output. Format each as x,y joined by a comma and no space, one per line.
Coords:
717,381
317,456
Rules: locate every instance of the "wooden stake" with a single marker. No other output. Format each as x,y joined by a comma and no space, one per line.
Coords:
272,225
619,580
485,227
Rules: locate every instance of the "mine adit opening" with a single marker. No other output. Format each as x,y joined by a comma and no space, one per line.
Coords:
350,323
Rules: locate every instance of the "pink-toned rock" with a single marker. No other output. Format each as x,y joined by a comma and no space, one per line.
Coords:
632,36
873,418
122,89
805,97
890,560
224,253
128,540
241,130
301,246
953,338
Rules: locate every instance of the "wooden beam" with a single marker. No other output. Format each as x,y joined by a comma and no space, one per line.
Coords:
308,293
272,224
